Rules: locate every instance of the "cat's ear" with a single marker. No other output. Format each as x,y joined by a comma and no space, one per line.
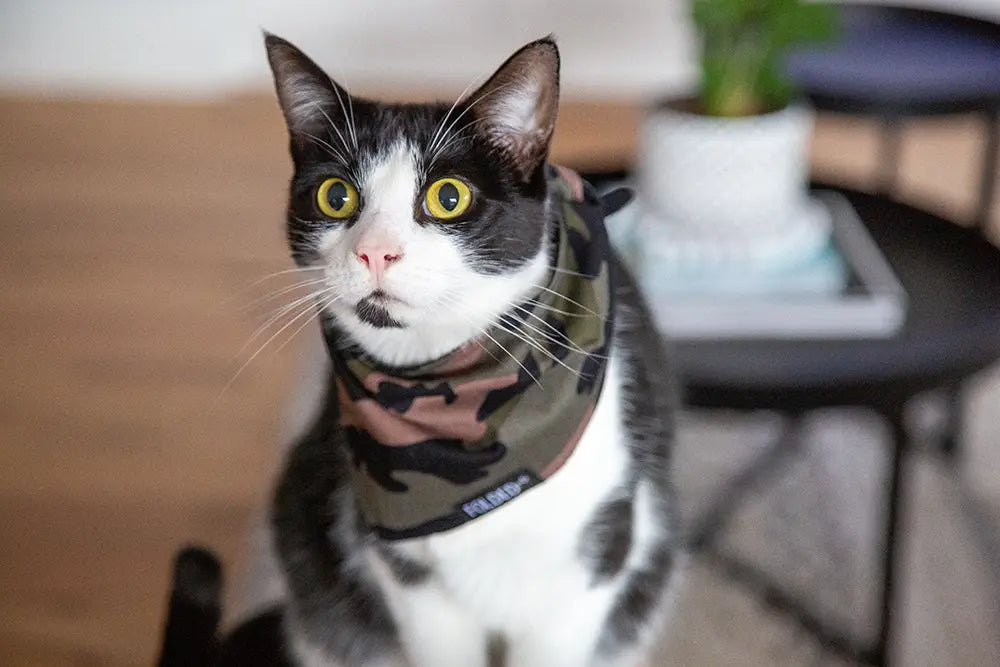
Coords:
516,109
306,93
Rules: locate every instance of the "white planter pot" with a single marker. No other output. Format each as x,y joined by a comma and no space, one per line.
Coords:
716,176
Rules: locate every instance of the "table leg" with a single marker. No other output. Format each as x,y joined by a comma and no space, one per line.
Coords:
889,151
991,152
951,436
893,523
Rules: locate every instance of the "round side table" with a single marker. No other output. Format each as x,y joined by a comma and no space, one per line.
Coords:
952,277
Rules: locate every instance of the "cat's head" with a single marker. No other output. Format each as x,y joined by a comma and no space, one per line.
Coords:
429,221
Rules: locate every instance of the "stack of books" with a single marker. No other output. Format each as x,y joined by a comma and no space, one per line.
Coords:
837,286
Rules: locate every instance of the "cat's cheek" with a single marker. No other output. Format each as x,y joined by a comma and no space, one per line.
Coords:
429,270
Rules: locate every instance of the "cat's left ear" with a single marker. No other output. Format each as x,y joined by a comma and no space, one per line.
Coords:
517,107
308,96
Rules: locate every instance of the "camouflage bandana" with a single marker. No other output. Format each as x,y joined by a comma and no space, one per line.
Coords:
436,446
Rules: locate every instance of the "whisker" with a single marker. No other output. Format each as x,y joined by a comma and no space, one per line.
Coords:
319,311
569,343
282,291
262,347
470,107
281,312
568,300
544,306
330,121
457,137
516,361
333,151
343,111
557,269
537,346
352,126
281,273
437,131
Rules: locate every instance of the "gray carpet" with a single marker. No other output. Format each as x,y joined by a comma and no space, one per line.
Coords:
811,529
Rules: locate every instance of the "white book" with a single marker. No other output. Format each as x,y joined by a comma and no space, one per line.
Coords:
845,290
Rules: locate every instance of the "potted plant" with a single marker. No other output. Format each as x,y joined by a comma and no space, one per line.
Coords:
731,164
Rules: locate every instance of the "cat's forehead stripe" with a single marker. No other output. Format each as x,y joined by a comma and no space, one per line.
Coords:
391,182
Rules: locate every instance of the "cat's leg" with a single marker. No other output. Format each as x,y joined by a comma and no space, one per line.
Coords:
305,653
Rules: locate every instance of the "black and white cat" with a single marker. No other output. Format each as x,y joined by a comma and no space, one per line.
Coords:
574,572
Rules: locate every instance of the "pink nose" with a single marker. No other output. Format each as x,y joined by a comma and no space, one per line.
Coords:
378,258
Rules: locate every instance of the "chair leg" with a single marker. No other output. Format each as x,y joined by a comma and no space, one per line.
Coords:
890,148
954,424
894,518
991,152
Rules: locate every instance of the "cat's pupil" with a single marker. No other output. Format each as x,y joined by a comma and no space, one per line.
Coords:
337,196
448,196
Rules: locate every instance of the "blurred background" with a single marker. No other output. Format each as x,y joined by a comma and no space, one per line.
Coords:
143,169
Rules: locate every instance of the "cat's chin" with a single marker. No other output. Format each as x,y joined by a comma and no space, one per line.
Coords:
405,345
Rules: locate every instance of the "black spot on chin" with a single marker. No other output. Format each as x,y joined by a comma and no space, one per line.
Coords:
370,311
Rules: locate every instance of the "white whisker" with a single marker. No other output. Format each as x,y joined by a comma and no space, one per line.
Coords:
430,146
262,347
516,361
569,343
468,109
537,346
319,311
282,291
332,125
544,306
568,300
557,269
333,151
280,312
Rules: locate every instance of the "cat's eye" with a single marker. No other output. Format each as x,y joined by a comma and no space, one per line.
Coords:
447,199
337,198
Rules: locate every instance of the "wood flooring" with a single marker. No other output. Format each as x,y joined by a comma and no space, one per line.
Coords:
127,232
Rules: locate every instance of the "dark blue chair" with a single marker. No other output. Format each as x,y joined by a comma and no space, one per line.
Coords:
897,63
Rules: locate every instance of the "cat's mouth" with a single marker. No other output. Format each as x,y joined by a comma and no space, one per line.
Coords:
374,310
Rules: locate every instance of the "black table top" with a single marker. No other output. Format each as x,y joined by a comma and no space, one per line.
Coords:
952,277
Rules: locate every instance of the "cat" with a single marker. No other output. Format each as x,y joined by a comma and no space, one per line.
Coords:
488,482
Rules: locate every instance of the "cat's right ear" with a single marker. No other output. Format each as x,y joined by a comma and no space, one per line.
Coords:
306,94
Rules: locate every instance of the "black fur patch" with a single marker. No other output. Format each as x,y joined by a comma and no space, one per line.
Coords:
338,609
607,538
406,570
496,651
636,602
372,312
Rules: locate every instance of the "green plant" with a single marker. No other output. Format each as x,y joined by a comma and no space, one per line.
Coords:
744,44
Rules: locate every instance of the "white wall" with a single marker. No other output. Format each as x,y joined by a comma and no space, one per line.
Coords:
208,47
192,47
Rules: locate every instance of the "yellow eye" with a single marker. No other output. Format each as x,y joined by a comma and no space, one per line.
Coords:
447,198
337,198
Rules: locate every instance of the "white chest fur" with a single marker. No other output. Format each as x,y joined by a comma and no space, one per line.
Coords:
518,571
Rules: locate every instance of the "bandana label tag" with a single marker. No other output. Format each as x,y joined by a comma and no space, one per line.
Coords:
503,493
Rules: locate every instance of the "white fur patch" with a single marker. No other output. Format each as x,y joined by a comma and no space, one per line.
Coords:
518,571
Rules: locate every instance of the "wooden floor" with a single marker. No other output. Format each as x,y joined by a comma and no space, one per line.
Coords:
126,233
